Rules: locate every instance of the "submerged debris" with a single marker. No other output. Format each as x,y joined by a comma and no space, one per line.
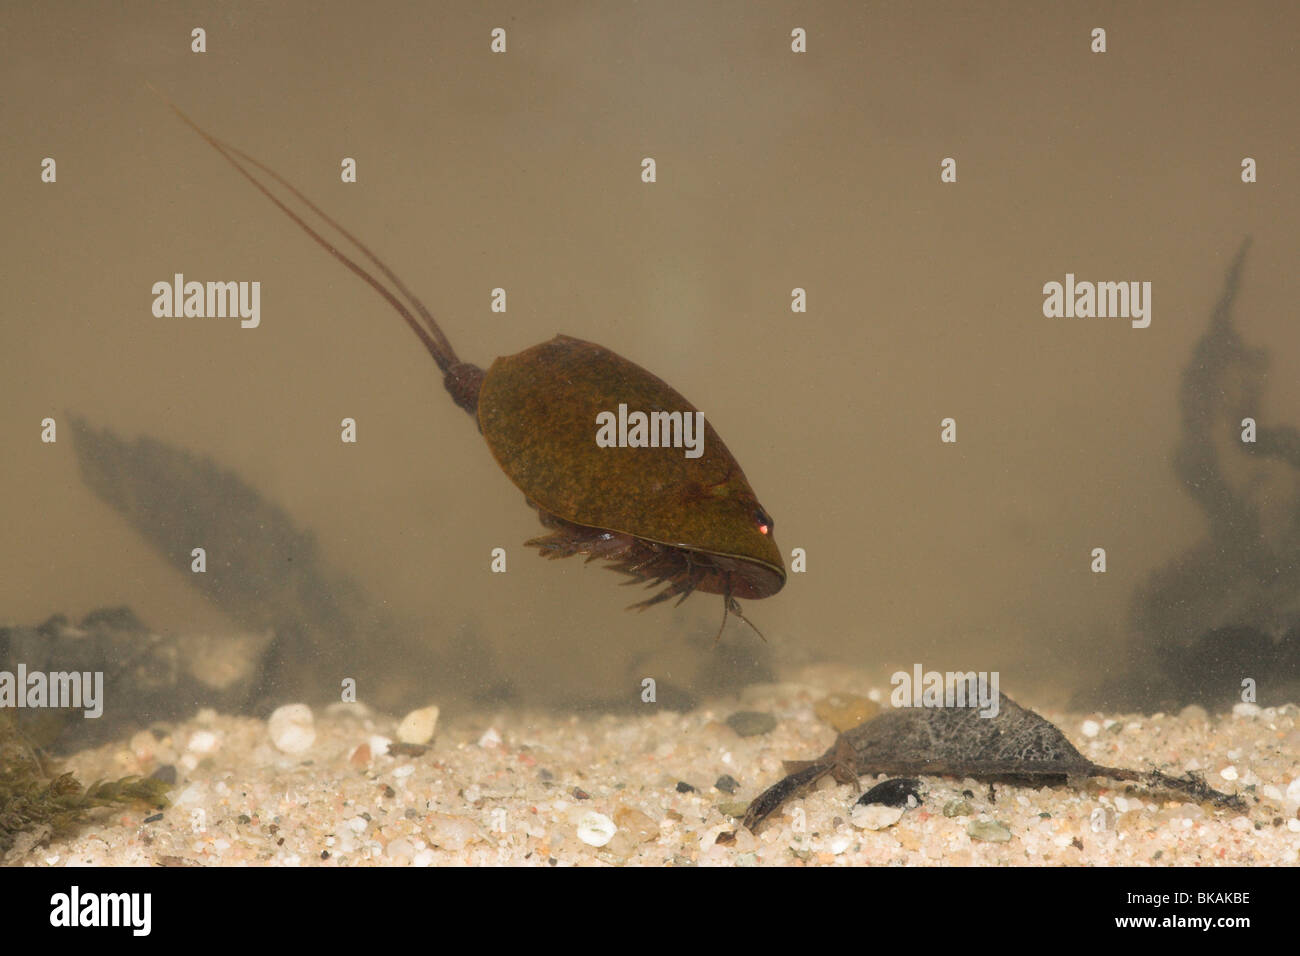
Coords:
127,674
36,805
1017,747
1228,608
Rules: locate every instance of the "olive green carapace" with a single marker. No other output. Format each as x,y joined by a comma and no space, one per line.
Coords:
538,409
667,520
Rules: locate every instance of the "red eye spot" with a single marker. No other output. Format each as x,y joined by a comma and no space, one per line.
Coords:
762,529
762,521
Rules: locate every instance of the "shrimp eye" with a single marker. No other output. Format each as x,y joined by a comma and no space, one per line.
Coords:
763,520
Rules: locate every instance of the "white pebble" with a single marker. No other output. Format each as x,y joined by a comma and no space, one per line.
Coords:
358,824
379,745
143,745
1293,825
1103,819
840,844
418,726
1229,772
191,794
1241,823
1243,709
491,739
1293,791
452,832
405,770
1090,728
875,816
400,847
596,829
422,858
291,728
203,742
1272,791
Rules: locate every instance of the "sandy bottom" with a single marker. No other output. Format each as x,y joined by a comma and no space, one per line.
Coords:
528,788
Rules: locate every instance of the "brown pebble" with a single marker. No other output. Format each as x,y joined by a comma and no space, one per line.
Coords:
845,711
640,826
360,756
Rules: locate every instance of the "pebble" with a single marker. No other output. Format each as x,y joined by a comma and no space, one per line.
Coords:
596,829
1090,728
203,742
875,816
1229,772
451,832
142,745
1293,791
751,723
379,745
988,831
401,847
194,793
1244,709
1102,820
490,739
1193,712
845,711
639,826
958,808
418,726
291,728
